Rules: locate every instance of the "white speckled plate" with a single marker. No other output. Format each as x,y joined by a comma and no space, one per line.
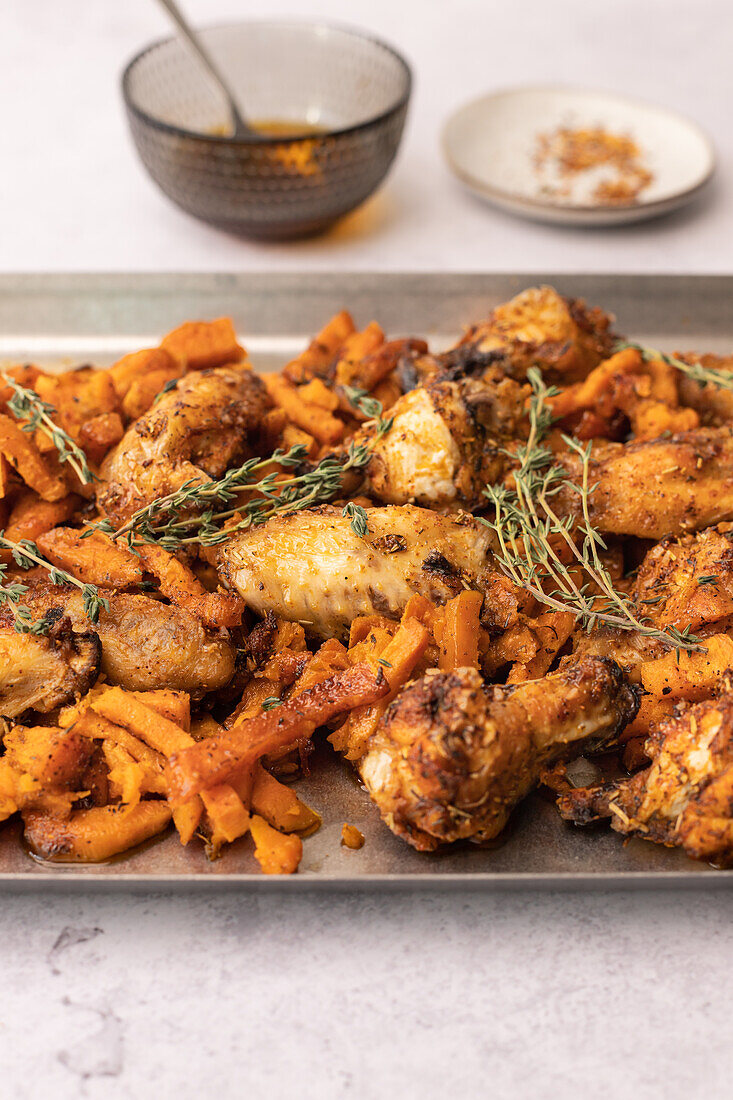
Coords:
491,145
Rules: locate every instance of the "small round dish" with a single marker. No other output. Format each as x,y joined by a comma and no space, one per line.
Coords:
494,146
348,91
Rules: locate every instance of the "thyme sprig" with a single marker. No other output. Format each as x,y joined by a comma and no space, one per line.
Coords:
26,554
723,379
26,405
200,512
370,407
528,530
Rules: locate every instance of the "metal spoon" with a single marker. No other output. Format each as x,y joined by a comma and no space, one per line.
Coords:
240,126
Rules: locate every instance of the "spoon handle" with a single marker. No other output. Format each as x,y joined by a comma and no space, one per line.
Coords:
239,124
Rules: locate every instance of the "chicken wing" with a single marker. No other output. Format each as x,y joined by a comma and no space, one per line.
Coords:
208,423
658,488
452,756
145,644
310,567
538,327
42,672
446,442
685,797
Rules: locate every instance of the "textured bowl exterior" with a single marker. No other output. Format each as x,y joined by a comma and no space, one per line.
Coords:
274,188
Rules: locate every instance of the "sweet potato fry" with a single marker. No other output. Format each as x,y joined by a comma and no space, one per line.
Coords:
77,396
126,709
126,776
317,422
227,814
144,390
91,836
23,455
320,353
6,477
355,349
396,661
25,375
276,853
585,394
52,756
95,727
187,818
460,632
216,759
94,559
377,363
201,344
179,583
280,805
137,365
31,517
694,676
552,630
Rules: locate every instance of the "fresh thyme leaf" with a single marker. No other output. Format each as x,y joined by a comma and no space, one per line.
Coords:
170,385
371,407
208,513
26,405
385,664
359,523
723,379
527,528
711,579
271,702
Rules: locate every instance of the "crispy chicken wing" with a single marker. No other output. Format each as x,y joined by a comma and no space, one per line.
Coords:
685,797
310,567
446,441
658,488
538,327
208,423
145,644
42,672
688,581
452,756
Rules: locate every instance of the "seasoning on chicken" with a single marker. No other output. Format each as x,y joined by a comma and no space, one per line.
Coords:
658,488
453,756
685,797
539,327
446,442
42,672
207,424
310,567
146,644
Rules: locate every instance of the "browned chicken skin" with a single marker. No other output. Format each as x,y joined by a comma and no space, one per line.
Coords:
658,488
685,797
42,672
207,424
145,644
310,567
453,756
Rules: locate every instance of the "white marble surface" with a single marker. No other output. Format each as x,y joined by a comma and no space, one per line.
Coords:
512,995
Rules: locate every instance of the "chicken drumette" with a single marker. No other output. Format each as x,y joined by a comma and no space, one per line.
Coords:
453,756
685,797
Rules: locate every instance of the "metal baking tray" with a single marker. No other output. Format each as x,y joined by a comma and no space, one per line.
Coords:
65,320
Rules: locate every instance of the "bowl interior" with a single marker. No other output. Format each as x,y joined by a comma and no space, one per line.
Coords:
326,76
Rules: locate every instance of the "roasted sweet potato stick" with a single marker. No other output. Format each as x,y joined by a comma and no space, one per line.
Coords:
20,451
90,836
182,587
213,761
276,853
460,633
281,806
94,559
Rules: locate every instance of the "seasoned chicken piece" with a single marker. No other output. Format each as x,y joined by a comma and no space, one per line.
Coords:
145,644
311,568
562,336
713,404
452,756
208,423
688,581
446,442
42,672
685,797
658,488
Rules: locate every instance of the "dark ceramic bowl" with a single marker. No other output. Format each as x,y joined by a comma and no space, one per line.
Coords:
351,88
